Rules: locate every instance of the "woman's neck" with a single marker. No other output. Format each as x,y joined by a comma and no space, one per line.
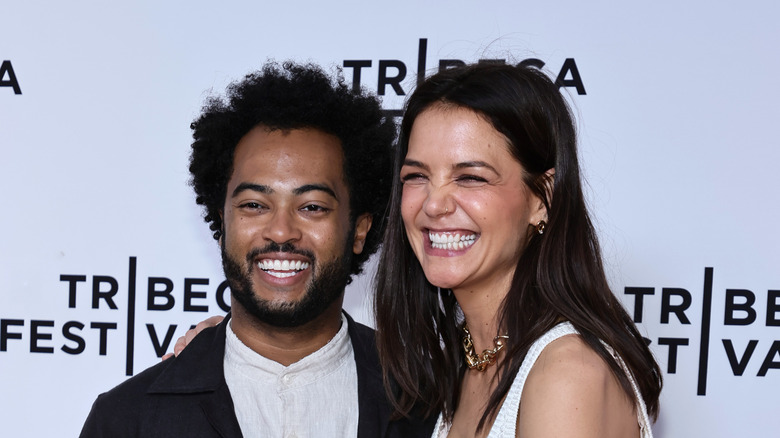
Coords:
481,310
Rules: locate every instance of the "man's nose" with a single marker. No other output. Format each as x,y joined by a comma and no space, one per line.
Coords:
282,227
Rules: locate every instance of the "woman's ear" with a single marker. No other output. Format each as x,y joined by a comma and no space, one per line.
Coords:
547,184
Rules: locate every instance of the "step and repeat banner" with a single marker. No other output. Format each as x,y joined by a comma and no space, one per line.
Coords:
105,259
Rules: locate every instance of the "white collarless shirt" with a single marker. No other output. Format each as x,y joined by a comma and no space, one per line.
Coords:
314,397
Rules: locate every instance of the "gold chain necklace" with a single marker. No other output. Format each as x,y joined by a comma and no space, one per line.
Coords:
488,357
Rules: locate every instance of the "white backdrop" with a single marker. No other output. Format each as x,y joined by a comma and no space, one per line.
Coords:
678,139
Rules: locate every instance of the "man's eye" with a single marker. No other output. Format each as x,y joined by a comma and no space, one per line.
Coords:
251,205
314,208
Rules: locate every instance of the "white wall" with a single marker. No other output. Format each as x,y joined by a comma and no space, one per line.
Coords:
678,139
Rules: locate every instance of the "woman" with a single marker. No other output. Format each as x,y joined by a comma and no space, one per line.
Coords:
489,248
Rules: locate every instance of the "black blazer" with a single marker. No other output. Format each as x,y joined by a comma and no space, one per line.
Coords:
187,396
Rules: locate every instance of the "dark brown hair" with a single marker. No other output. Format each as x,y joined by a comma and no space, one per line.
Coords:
559,275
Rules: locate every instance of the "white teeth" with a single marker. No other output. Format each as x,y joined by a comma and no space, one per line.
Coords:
451,241
282,268
281,274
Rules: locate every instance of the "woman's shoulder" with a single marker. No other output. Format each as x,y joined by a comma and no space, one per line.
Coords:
571,390
569,367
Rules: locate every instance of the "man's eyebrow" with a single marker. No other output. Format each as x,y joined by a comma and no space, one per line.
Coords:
264,189
253,187
312,187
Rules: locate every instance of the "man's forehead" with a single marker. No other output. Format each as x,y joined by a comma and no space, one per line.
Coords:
295,161
301,143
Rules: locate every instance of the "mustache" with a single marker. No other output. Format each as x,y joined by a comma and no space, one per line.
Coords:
274,247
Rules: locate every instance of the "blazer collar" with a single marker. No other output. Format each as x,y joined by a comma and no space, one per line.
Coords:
198,368
198,372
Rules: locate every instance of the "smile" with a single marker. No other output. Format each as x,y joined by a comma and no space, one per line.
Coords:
451,241
282,268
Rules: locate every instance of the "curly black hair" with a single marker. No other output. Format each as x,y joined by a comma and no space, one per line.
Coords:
294,96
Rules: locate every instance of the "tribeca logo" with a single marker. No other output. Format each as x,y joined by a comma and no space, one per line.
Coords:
101,292
393,71
739,311
7,70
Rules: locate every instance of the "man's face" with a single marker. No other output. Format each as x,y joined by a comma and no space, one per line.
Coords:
288,239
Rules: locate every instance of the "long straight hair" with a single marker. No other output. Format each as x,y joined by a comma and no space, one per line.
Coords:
559,276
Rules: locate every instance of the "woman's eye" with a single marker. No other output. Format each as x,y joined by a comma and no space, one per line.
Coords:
412,177
471,179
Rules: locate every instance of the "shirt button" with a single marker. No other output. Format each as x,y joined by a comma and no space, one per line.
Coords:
287,379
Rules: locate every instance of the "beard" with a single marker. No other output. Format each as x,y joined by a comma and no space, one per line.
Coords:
326,286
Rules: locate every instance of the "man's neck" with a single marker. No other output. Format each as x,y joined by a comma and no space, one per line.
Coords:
282,344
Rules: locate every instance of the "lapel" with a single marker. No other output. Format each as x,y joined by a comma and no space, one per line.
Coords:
374,409
218,409
198,373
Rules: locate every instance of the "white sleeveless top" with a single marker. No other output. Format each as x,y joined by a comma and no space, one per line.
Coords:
506,421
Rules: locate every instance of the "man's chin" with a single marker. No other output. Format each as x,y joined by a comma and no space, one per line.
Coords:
284,314
294,302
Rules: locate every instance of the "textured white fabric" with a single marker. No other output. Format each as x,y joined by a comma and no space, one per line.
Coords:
506,421
314,397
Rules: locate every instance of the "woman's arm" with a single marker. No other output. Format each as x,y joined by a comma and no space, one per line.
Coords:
191,333
571,392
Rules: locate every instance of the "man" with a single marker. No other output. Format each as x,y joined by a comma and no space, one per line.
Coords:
293,171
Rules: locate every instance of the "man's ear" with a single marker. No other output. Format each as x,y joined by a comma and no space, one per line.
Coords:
221,239
362,225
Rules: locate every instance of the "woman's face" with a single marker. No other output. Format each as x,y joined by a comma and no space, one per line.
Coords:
465,206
